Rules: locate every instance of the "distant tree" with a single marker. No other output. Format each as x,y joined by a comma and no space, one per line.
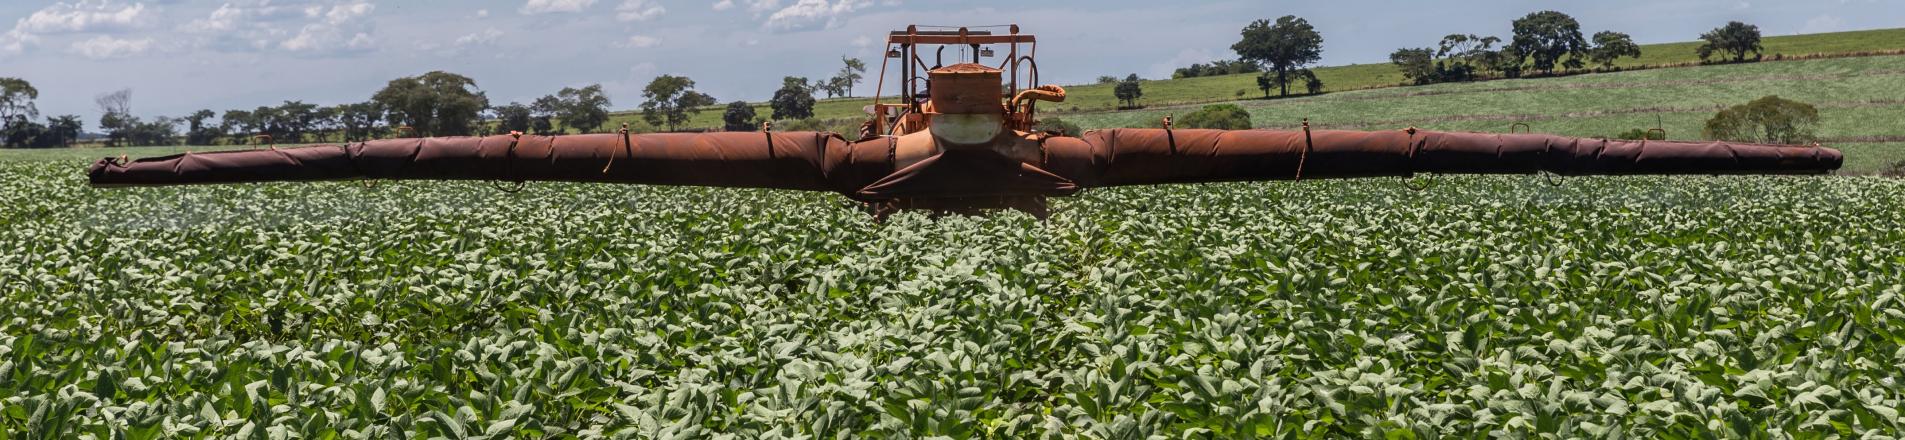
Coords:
359,121
739,117
61,131
1216,68
1311,83
16,99
1547,36
1770,120
1609,46
435,104
1056,125
295,119
200,132
1106,79
238,125
1417,65
1219,117
159,131
17,131
671,100
794,100
1284,47
850,74
585,109
513,117
115,115
1734,39
1129,91
542,120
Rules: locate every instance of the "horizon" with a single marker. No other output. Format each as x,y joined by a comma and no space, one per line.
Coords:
328,52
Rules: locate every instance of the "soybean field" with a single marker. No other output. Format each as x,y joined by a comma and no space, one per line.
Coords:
1688,307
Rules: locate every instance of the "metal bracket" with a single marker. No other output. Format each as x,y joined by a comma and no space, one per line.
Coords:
1524,128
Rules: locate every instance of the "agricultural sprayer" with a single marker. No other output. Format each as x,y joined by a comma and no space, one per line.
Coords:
961,138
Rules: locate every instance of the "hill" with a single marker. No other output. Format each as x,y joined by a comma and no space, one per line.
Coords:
1857,98
1093,98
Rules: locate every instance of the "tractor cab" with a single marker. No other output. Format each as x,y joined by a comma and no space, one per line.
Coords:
972,82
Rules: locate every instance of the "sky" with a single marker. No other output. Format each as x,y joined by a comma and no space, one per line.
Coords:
179,56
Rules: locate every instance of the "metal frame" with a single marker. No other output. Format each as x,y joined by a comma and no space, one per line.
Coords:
911,70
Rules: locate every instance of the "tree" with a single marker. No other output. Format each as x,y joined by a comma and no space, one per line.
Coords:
434,104
738,117
794,100
239,125
849,75
1547,36
585,109
1770,120
1106,79
1286,46
1735,38
1610,45
16,99
1417,65
358,121
200,132
1219,117
1311,83
543,113
296,118
61,131
671,100
160,131
115,116
1129,91
513,117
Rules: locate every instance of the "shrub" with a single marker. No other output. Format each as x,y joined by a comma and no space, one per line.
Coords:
1641,133
1220,116
1895,170
1770,119
1056,125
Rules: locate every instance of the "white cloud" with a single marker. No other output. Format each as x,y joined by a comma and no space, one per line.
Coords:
14,41
105,47
83,16
638,10
724,5
482,13
759,6
338,28
486,37
641,41
533,7
812,14
1823,23
862,41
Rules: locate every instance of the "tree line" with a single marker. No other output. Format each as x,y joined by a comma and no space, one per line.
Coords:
1547,41
1280,51
433,104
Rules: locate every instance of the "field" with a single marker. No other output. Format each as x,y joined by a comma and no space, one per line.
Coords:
1657,307
1167,92
1855,97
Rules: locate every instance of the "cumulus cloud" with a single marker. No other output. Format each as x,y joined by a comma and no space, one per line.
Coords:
482,13
106,47
84,16
638,10
336,28
641,41
724,5
812,14
533,7
313,27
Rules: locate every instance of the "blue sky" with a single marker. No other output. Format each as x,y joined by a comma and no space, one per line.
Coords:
182,55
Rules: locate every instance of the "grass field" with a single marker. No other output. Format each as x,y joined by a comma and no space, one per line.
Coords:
1857,99
1166,92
